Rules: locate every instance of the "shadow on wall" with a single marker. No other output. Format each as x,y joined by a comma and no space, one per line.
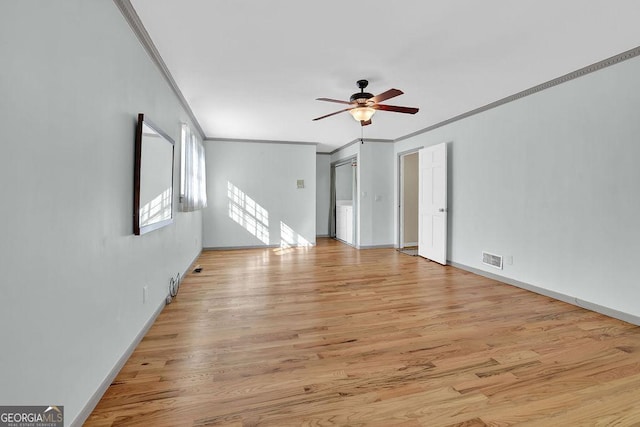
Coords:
254,218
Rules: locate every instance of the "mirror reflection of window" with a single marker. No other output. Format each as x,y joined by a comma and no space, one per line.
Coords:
155,178
153,186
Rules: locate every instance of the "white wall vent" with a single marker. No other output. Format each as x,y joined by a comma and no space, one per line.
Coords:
492,260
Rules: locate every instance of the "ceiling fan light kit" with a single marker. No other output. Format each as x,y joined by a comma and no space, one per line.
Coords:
362,114
363,105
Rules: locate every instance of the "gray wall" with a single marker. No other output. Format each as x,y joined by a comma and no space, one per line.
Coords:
323,193
73,78
375,182
552,180
264,175
376,194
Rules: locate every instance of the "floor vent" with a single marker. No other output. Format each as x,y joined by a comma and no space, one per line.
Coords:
492,260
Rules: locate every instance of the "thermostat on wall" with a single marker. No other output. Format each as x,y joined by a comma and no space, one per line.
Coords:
301,183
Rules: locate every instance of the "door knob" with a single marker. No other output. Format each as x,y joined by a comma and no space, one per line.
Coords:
442,210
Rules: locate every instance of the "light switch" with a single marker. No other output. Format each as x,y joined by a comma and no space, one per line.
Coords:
300,183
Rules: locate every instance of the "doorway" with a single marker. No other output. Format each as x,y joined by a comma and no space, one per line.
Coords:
408,167
344,191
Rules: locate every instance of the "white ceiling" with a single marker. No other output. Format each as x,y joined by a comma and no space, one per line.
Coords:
251,69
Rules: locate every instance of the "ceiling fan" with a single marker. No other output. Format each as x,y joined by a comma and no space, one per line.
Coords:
363,105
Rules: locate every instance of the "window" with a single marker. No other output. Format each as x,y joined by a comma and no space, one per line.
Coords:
193,188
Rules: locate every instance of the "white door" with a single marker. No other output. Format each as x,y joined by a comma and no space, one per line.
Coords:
432,204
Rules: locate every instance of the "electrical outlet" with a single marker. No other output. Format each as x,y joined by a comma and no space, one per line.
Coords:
145,294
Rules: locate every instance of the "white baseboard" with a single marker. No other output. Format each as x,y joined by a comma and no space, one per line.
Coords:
607,311
95,398
232,248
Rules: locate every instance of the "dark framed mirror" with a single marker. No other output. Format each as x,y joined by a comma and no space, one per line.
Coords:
153,178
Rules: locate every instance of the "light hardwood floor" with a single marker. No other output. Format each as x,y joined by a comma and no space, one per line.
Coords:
333,336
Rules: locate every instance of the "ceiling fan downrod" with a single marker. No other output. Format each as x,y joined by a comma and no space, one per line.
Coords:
362,97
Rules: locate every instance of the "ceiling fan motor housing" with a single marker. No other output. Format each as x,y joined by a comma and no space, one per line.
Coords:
361,98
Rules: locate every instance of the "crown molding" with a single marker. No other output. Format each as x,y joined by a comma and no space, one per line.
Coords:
362,140
132,18
632,53
259,141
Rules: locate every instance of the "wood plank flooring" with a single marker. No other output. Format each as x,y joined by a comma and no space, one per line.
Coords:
333,336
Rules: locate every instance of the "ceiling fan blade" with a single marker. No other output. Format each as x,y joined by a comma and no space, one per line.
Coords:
332,114
333,100
363,123
391,93
395,108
